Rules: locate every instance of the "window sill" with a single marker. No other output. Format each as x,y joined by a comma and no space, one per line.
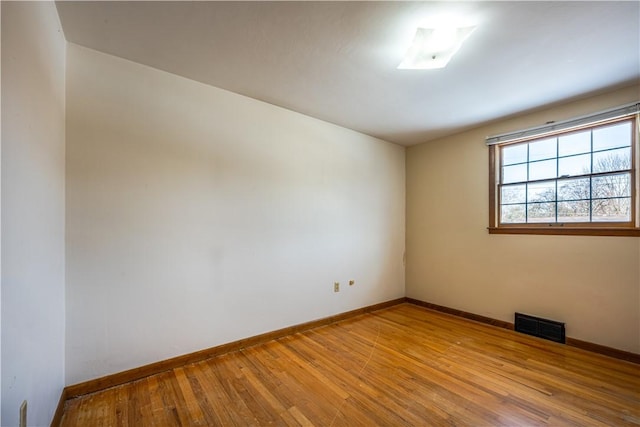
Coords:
568,231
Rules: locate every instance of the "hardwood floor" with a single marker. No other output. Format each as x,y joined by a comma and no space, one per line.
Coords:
401,366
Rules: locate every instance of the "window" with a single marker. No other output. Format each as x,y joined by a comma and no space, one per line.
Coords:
576,180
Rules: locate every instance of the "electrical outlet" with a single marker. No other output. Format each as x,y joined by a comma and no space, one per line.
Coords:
352,282
336,286
23,414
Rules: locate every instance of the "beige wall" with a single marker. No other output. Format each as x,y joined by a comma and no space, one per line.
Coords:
591,283
196,216
33,184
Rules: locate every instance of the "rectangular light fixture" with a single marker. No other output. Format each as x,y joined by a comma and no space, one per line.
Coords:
434,47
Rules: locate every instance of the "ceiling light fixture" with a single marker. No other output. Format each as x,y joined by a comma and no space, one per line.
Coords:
434,47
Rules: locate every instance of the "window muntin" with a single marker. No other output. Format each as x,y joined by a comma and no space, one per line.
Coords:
581,178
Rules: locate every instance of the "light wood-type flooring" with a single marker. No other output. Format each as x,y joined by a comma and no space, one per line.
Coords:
401,366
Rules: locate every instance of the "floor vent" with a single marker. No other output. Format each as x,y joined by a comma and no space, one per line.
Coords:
538,327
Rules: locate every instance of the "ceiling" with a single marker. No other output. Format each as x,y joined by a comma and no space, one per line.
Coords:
336,61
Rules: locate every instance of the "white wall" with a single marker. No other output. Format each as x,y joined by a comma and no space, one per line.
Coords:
33,208
0,229
591,283
196,216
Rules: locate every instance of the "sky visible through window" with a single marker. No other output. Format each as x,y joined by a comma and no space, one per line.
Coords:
583,176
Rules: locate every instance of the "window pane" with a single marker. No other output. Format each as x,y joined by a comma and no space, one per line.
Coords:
542,170
545,149
612,210
513,214
618,135
541,192
514,154
514,194
541,212
516,173
612,160
574,165
575,143
574,189
576,177
577,211
615,185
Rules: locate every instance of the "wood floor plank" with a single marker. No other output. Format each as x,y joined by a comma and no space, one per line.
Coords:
122,406
211,396
191,402
401,366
